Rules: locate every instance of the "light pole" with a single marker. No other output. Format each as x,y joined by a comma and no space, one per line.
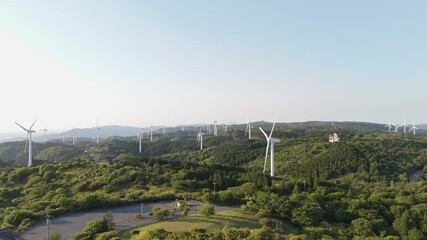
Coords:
214,186
47,224
142,209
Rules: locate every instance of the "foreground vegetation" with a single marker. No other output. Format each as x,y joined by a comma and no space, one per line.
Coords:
357,188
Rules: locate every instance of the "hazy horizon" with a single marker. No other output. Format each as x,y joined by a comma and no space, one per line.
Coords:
73,63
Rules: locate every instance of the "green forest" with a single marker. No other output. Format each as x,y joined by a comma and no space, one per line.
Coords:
358,188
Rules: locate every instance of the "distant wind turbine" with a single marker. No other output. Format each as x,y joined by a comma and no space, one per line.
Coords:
404,125
215,129
44,130
140,135
29,140
389,126
97,133
413,128
200,139
270,141
151,132
396,127
248,129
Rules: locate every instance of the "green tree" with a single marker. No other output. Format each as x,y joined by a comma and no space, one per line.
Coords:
362,227
107,236
15,217
404,223
261,234
185,210
415,234
309,214
207,210
94,227
55,236
235,233
159,213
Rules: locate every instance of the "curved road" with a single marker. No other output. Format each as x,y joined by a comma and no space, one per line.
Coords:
70,224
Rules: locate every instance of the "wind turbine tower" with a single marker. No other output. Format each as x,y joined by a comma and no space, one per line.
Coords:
413,128
270,141
97,133
215,129
396,127
140,141
29,139
200,139
389,126
151,132
404,125
74,138
44,130
248,129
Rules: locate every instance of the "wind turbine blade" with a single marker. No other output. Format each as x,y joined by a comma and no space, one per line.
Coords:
272,129
265,134
247,127
21,127
35,123
266,156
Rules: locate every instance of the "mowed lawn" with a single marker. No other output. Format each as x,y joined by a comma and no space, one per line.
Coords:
233,218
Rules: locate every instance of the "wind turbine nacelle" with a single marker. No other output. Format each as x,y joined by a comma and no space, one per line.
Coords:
274,140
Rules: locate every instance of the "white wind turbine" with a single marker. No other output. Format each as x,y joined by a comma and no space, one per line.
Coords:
97,133
200,139
74,137
248,129
413,127
396,127
270,141
404,125
140,136
389,126
29,140
44,130
215,129
151,132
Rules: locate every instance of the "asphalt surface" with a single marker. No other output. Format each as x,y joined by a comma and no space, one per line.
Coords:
70,224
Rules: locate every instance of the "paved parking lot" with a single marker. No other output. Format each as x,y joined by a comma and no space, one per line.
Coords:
70,224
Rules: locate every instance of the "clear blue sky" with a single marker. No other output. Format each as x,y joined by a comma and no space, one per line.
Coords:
70,63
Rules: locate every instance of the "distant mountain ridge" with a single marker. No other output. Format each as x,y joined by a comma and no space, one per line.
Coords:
129,131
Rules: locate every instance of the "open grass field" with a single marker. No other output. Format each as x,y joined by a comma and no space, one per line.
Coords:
233,218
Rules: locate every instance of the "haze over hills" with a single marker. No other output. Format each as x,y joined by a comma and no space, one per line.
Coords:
12,150
129,131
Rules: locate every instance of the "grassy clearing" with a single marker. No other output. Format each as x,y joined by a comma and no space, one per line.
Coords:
233,218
